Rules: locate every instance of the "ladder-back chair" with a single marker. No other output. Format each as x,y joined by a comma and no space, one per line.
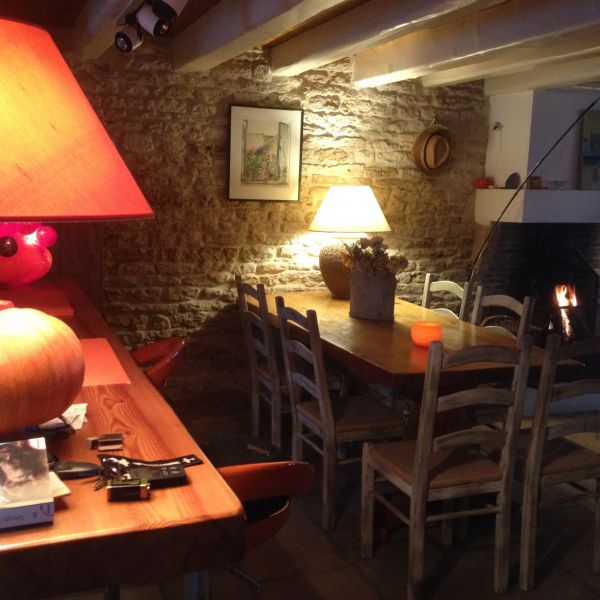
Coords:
450,467
320,418
552,458
519,312
266,384
447,287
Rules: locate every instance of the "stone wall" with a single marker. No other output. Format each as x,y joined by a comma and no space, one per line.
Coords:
173,275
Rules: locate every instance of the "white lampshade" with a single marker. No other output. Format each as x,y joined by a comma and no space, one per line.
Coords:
350,209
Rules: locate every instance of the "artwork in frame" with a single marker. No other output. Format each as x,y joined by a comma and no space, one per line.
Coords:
265,153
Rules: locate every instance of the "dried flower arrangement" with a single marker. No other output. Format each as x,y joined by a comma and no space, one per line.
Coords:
371,255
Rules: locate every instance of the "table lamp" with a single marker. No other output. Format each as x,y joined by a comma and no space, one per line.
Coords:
348,212
59,163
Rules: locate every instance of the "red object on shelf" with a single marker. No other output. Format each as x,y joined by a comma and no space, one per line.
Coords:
423,333
483,183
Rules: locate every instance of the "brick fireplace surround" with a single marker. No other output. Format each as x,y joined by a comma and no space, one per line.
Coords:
521,258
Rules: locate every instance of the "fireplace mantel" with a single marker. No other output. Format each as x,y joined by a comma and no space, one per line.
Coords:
538,206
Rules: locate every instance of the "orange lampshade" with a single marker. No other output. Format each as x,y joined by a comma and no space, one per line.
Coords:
58,163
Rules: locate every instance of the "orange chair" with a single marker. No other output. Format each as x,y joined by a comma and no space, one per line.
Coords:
159,359
265,490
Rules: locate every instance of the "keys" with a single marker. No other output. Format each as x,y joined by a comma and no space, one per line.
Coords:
100,482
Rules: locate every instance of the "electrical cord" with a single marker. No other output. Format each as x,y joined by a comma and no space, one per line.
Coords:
486,241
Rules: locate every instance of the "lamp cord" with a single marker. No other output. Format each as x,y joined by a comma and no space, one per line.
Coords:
523,184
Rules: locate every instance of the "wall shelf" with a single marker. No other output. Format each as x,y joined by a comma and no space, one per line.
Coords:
538,206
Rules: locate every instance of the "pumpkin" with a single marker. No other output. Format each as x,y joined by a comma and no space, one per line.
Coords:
41,368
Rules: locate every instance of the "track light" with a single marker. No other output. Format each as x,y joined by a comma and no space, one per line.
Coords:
169,9
153,23
154,16
128,39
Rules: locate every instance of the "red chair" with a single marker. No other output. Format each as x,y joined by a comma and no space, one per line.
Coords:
159,359
265,490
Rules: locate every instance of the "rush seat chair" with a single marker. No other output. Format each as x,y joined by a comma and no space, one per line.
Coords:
447,287
320,418
445,468
553,459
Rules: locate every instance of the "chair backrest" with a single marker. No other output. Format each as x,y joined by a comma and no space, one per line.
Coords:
553,394
505,403
519,312
304,362
258,335
447,287
160,358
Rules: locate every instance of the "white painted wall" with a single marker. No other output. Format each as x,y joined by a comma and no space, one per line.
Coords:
508,144
553,112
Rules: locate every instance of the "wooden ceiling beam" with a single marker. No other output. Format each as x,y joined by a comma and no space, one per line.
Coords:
233,27
546,76
500,27
364,26
513,60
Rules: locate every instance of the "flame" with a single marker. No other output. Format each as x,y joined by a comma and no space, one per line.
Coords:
565,298
565,295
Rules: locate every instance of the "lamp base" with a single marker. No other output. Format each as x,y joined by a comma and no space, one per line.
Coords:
335,274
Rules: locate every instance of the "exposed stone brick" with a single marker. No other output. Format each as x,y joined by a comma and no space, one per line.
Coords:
174,275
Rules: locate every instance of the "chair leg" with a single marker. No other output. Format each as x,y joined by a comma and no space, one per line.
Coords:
502,546
112,592
448,524
276,419
416,549
296,439
367,502
196,585
529,517
255,411
329,461
597,529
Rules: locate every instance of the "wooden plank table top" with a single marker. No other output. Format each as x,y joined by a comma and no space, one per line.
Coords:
383,352
93,542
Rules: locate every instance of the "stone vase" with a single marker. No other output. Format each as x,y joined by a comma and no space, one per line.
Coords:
372,295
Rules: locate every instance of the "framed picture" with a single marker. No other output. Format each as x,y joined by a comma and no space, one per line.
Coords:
265,153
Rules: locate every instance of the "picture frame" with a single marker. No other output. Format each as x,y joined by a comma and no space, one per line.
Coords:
590,151
265,153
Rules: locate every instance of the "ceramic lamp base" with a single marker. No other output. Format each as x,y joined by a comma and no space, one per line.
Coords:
335,274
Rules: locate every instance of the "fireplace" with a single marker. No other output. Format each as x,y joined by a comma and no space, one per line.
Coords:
550,262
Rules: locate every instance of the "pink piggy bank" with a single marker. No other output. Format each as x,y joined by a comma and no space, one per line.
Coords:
24,254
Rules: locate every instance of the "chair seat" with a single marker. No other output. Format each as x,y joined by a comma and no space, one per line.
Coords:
355,413
563,456
449,468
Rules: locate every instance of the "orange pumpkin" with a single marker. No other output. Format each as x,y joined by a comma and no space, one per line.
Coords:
41,368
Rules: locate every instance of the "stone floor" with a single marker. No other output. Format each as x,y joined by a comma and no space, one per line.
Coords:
302,562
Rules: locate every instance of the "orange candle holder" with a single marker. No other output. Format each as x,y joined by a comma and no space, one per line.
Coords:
423,333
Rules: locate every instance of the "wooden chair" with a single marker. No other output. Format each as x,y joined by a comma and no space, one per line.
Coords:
159,359
448,287
449,467
318,414
520,312
551,458
266,384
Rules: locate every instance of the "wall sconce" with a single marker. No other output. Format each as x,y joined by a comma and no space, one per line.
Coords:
347,212
59,163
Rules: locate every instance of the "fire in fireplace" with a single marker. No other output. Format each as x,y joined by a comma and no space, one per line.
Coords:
565,316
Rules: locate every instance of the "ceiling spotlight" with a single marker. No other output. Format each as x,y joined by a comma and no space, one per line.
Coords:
153,23
128,39
169,8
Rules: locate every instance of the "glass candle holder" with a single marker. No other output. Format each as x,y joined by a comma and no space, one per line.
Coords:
423,333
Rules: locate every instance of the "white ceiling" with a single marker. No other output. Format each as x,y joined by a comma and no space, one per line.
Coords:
513,44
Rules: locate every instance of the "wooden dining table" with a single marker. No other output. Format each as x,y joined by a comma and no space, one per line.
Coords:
382,352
